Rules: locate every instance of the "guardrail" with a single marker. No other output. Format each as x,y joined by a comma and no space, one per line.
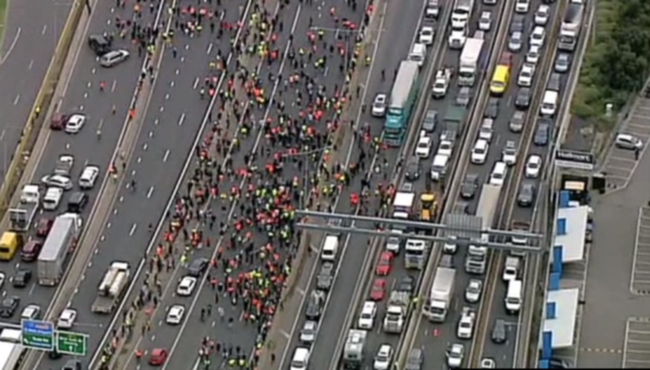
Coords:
36,116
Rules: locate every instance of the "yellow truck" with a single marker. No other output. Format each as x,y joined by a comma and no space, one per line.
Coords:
428,206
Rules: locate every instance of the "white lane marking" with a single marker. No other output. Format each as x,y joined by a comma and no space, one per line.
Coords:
132,231
209,49
16,99
114,86
44,29
164,157
180,120
3,58
150,192
31,64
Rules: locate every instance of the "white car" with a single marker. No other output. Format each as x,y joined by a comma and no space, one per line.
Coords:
427,34
58,181
457,39
455,355
445,148
383,358
67,319
509,154
480,151
52,198
367,316
487,363
542,14
522,6
75,123
379,105
485,22
64,165
186,286
308,332
31,312
533,54
537,37
466,324
533,166
450,247
441,84
88,177
175,314
526,74
423,147
473,290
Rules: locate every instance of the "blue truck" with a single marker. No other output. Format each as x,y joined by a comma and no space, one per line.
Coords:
402,99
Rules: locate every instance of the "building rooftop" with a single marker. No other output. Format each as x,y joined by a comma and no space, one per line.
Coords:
570,232
561,324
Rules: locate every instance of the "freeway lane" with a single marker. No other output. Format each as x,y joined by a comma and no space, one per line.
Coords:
22,65
83,95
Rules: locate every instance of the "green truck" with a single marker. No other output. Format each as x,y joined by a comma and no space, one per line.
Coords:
455,118
402,100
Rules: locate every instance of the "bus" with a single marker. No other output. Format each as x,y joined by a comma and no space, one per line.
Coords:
402,98
501,75
415,254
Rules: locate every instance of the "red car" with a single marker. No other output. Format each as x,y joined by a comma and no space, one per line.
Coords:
58,120
385,263
43,227
378,290
158,356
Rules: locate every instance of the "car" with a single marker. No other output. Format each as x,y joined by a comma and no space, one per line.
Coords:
542,14
393,244
113,58
492,108
158,356
31,312
385,263
517,23
64,165
88,177
516,41
412,168
486,131
542,133
9,306
429,121
485,21
473,290
522,6
469,186
175,314
533,166
315,304
465,328
423,147
77,201
367,315
58,181
100,44
379,105
441,83
58,120
490,2
446,147
487,363
480,151
198,267
522,100
526,74
406,284
75,123
308,332
66,319
414,359
43,226
378,289
455,355
426,36
516,123
383,358
186,286
457,38
31,250
526,194
325,276
70,364
499,332
628,142
432,12
509,154
537,37
562,63
533,54
464,96
52,198
21,278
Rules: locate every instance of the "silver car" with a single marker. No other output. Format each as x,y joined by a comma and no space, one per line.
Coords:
113,58
308,332
516,41
628,142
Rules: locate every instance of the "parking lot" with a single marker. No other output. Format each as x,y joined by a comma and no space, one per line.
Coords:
619,165
636,350
640,280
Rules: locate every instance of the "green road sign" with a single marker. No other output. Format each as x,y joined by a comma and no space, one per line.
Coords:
71,343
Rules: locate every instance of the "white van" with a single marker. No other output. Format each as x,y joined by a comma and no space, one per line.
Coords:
330,248
549,103
514,296
439,167
300,359
499,173
418,54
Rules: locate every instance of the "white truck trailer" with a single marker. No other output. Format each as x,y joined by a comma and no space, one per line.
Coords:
62,238
441,294
469,61
112,287
22,215
403,204
396,312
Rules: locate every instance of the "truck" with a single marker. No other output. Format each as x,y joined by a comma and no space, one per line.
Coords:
428,206
461,14
441,293
476,258
11,349
396,312
22,215
469,61
62,239
455,119
403,204
571,26
112,287
400,105
353,351
511,268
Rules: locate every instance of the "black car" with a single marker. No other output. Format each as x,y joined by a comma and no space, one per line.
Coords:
526,195
492,108
9,306
499,333
469,186
522,101
413,169
542,133
197,267
415,359
325,277
100,44
407,284
77,202
315,305
22,278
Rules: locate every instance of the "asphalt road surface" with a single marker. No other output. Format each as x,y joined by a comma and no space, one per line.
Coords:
83,95
435,338
22,65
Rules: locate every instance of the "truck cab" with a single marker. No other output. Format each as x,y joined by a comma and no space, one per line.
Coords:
396,312
428,206
476,260
22,215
